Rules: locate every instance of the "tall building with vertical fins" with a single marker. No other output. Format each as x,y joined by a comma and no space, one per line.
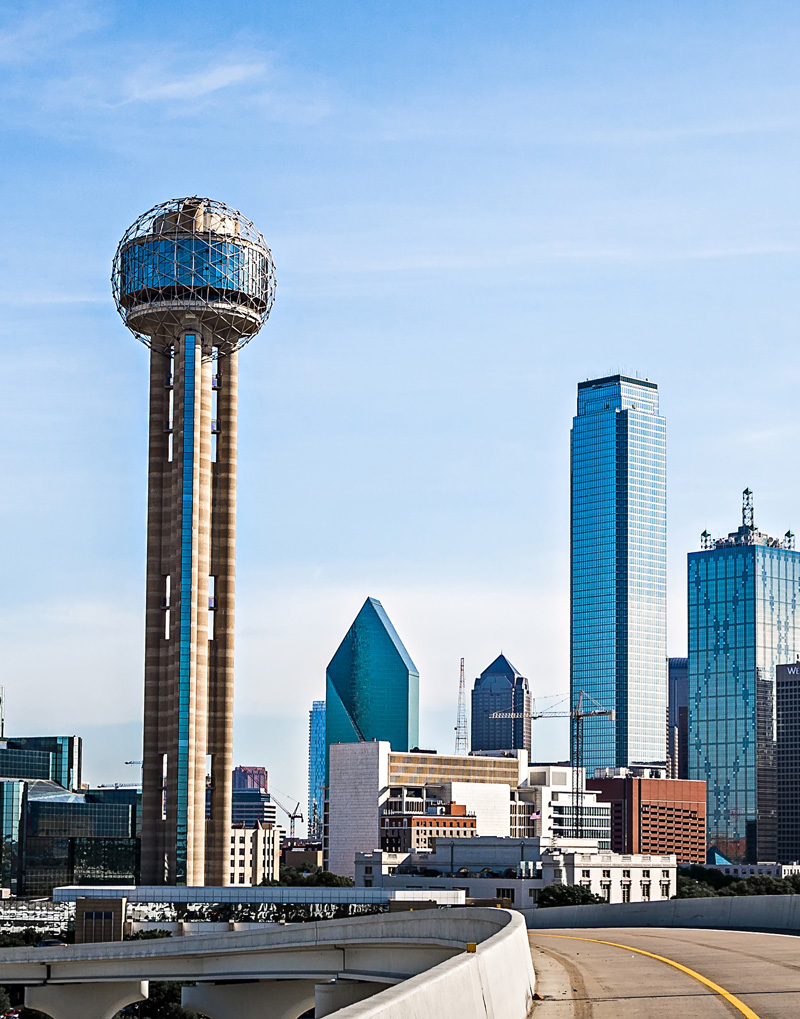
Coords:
618,569
316,769
194,280
372,685
744,621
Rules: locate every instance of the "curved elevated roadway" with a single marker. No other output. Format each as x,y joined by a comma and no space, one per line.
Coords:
700,974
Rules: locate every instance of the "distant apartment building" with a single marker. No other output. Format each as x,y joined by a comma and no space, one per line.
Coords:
375,793
316,769
517,870
372,685
618,569
501,709
742,594
787,709
255,853
654,814
678,717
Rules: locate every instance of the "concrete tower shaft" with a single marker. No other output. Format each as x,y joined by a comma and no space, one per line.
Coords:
194,280
190,611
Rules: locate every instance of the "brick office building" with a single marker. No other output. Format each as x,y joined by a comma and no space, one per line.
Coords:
651,813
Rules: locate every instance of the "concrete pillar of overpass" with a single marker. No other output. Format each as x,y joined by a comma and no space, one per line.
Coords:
330,997
254,999
85,1001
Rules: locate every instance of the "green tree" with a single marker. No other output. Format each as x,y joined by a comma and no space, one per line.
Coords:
149,935
567,895
691,888
312,877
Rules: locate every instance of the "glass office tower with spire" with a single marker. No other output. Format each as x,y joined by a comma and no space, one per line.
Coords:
618,569
743,622
316,768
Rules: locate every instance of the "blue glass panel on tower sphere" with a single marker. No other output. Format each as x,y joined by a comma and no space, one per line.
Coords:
175,265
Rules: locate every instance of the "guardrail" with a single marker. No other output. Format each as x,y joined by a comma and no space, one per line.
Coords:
734,912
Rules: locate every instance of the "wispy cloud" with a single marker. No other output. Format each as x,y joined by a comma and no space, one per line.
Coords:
30,38
144,84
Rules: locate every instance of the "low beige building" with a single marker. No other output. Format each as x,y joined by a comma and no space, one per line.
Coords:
255,853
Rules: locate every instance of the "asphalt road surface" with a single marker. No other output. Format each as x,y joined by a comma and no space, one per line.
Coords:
752,975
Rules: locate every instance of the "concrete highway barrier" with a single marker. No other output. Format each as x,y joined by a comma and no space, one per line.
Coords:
733,912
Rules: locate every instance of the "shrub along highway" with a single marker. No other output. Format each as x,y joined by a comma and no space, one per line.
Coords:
663,973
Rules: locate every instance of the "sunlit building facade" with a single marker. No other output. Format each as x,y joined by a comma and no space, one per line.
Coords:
618,569
743,622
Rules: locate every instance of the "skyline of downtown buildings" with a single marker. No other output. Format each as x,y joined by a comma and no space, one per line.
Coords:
618,622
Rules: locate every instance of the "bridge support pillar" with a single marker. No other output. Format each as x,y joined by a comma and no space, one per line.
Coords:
253,999
330,997
85,1001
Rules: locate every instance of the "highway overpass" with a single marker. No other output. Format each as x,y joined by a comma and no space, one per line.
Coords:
454,963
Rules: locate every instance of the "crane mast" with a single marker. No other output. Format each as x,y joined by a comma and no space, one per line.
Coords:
462,736
576,716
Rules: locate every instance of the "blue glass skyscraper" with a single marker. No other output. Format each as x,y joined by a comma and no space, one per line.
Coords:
372,686
743,621
316,768
618,569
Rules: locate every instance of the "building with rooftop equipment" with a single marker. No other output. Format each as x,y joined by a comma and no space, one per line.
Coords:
372,685
194,280
501,691
618,569
516,870
743,591
653,813
378,798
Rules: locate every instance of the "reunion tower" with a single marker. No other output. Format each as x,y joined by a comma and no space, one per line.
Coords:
194,280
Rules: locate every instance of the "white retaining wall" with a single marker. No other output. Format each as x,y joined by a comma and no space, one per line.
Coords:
737,912
495,982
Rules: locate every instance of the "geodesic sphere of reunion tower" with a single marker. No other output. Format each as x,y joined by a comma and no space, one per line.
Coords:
194,280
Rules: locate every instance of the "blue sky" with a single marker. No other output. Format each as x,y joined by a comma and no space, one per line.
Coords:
471,208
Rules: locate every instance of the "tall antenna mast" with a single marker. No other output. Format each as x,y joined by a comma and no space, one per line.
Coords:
462,737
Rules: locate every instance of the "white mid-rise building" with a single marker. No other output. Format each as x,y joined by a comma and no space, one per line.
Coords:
506,795
518,869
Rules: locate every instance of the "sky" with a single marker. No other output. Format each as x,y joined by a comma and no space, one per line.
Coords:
471,208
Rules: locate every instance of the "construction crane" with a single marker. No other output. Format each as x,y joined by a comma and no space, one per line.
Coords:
293,815
462,737
576,715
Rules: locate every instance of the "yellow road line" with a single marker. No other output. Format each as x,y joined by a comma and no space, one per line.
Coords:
736,1002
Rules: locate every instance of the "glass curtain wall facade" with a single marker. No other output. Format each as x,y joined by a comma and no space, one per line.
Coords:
618,569
500,689
316,768
743,621
372,685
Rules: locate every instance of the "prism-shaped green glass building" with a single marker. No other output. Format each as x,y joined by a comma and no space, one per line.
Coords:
372,685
